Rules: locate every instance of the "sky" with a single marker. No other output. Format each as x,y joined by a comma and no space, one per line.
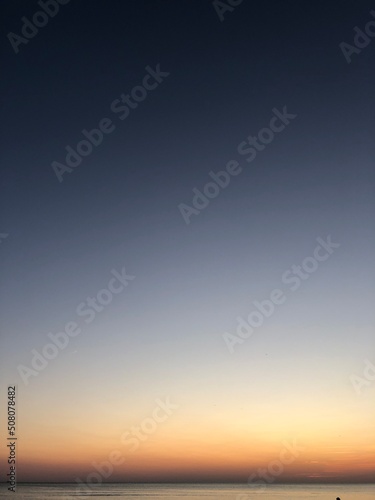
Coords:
232,146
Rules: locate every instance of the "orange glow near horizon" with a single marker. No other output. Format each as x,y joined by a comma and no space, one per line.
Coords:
185,446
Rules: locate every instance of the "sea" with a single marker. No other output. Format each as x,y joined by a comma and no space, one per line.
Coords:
196,492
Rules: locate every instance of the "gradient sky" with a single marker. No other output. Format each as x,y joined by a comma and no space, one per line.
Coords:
162,336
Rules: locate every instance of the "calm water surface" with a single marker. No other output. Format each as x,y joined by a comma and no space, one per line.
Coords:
196,492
